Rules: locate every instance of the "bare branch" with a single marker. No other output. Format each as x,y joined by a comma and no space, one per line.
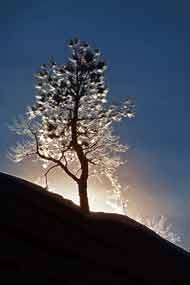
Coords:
46,174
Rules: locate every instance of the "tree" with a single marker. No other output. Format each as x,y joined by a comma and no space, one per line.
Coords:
70,124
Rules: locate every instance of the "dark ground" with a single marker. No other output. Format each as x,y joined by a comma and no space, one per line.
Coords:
45,239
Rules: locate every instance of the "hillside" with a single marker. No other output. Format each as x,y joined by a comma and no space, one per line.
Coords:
46,239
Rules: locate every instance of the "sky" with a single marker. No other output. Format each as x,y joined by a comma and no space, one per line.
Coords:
146,47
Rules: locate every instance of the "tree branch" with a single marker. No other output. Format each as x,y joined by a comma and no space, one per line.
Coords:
64,167
46,174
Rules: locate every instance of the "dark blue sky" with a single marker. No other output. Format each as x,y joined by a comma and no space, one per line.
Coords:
146,45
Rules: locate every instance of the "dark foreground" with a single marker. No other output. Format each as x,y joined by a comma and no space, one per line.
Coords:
46,240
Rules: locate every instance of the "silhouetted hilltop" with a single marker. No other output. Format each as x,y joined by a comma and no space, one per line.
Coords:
47,240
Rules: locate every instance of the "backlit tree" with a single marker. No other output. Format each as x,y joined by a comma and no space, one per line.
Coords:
70,123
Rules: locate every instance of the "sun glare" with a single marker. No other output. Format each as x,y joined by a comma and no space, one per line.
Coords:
68,190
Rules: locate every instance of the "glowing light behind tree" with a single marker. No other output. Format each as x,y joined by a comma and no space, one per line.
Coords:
70,125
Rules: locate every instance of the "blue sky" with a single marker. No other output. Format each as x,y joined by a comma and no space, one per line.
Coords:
146,46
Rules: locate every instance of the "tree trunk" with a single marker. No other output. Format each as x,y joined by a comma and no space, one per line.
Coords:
82,186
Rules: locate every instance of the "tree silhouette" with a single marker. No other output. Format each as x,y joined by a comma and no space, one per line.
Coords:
70,124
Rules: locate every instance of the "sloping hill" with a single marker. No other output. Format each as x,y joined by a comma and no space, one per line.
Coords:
46,239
